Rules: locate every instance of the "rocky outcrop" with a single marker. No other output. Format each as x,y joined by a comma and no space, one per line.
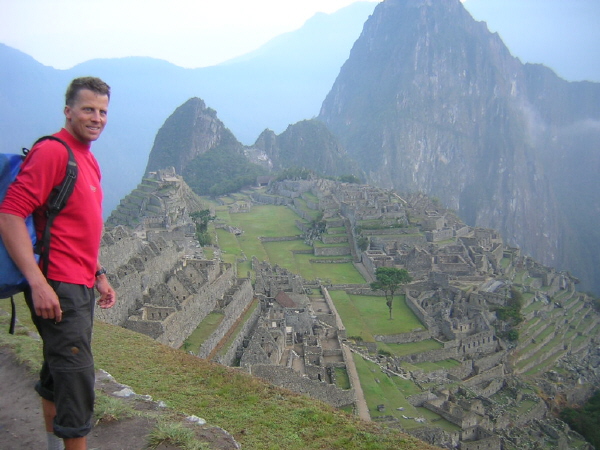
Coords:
306,144
192,129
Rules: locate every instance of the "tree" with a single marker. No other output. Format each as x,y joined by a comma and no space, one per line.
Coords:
389,280
201,219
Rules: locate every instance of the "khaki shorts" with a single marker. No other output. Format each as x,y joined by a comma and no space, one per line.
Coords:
67,376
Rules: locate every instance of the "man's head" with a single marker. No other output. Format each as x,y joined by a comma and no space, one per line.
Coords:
93,84
86,108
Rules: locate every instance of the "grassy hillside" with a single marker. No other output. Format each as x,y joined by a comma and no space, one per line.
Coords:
257,414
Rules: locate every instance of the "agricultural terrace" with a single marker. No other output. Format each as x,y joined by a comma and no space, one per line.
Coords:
274,222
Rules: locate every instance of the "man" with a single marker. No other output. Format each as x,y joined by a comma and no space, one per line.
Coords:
62,302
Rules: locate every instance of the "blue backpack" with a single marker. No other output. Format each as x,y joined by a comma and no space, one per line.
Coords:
12,280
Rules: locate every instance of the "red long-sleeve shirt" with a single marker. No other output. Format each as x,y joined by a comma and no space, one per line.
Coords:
77,230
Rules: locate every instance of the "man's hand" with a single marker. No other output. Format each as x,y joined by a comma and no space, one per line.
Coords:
108,296
45,302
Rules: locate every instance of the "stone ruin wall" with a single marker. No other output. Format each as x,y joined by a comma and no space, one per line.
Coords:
270,199
537,412
454,414
240,297
437,436
309,202
332,251
290,379
394,232
232,353
421,314
303,214
204,301
461,371
338,322
135,265
487,443
488,389
484,342
482,298
404,338
485,363
495,373
129,281
174,329
430,356
334,238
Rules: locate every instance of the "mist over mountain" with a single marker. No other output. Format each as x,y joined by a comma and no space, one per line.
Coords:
431,101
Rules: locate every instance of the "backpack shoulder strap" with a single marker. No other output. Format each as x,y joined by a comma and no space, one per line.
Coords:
56,201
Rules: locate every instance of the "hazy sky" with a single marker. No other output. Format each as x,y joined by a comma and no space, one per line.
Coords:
561,34
198,33
189,33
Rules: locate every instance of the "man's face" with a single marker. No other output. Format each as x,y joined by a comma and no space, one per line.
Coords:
87,116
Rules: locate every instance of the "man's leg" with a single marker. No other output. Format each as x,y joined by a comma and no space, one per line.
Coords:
76,443
52,440
49,413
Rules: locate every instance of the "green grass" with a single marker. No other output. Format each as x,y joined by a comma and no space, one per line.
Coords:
202,332
392,392
277,221
236,331
337,273
174,434
302,206
259,415
413,347
342,378
367,316
267,220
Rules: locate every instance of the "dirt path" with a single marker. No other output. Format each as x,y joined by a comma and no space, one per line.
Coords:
22,427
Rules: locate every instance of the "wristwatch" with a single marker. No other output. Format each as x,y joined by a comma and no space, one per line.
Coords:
102,271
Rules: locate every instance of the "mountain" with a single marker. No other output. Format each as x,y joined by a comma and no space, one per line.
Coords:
281,83
199,147
431,101
307,144
192,130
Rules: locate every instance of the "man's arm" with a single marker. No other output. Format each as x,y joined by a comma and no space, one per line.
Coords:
18,244
108,296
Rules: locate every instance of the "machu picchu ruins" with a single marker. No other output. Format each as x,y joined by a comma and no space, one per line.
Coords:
514,339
